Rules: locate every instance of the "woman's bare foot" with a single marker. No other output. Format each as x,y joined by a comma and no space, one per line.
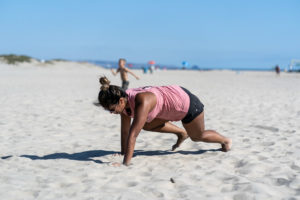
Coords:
180,139
227,145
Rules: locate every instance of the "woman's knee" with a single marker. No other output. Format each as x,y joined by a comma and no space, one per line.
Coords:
146,127
196,137
151,127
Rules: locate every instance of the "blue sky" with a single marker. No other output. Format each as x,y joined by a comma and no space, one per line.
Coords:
222,34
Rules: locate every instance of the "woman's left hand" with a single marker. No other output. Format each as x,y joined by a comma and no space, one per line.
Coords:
116,164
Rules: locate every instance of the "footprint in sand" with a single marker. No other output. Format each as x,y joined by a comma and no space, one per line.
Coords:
241,163
246,140
146,174
242,196
282,181
132,184
295,167
262,158
269,128
268,143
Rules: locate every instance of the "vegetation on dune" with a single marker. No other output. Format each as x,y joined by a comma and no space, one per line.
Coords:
59,59
55,60
13,59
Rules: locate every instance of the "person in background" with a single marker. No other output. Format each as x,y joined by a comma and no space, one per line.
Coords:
124,73
277,70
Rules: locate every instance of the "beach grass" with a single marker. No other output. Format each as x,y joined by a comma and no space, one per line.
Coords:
14,59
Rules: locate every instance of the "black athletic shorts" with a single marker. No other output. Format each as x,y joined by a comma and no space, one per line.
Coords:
195,109
125,85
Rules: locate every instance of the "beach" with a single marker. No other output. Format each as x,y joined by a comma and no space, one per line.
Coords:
56,144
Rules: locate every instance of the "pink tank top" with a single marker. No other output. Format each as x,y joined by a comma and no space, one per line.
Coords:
172,103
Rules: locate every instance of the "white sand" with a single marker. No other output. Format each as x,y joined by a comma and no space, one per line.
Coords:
55,144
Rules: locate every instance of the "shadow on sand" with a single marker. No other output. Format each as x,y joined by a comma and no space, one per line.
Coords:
89,155
81,156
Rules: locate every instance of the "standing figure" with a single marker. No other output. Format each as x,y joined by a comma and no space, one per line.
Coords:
277,70
124,73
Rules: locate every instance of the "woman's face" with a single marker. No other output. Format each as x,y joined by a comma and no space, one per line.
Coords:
117,108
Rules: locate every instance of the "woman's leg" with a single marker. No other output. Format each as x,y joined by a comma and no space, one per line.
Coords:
196,130
163,126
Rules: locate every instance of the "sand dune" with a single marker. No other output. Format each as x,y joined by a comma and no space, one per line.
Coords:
55,144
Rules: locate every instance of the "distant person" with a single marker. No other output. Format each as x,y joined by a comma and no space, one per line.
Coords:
151,69
277,70
123,72
152,109
145,70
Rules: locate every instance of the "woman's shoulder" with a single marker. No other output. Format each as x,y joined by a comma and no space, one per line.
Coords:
153,89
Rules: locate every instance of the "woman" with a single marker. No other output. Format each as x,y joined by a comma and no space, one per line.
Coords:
152,109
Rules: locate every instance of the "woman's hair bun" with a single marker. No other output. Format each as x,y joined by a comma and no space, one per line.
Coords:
104,83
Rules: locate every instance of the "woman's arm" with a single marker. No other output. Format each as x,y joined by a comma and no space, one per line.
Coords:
125,126
144,103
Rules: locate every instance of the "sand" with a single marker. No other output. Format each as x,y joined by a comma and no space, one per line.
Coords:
55,144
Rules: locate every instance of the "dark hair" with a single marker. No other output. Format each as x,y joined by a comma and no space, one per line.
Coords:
109,94
122,59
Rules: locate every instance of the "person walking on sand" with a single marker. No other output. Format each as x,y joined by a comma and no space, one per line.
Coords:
152,109
124,73
277,70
